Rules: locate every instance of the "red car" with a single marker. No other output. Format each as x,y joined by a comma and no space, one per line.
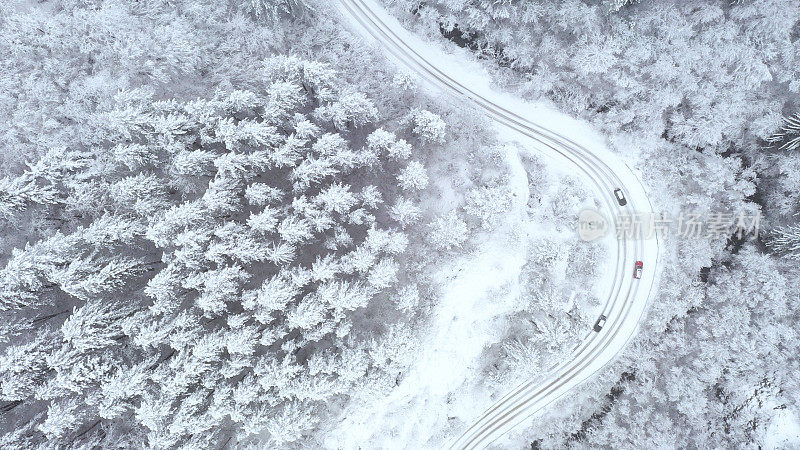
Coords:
637,270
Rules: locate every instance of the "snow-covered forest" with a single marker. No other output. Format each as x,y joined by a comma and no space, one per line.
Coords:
236,224
704,95
222,225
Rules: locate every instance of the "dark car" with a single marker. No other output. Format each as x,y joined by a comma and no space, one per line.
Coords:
620,198
600,322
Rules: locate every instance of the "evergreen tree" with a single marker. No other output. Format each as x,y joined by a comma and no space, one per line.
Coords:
207,266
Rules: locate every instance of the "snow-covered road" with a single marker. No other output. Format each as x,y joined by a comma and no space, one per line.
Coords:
572,142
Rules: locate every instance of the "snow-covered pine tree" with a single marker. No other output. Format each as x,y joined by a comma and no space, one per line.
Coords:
785,240
788,137
208,252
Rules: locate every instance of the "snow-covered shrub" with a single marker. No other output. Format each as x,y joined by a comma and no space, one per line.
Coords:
429,126
488,203
448,231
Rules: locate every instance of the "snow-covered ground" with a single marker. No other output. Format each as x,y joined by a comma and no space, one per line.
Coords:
464,315
575,146
444,388
783,431
464,322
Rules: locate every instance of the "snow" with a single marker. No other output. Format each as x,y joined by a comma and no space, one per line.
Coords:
464,318
783,431
481,289
460,65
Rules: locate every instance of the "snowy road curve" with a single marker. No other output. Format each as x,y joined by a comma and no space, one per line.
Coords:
625,299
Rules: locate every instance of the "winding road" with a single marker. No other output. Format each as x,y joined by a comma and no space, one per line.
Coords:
625,300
